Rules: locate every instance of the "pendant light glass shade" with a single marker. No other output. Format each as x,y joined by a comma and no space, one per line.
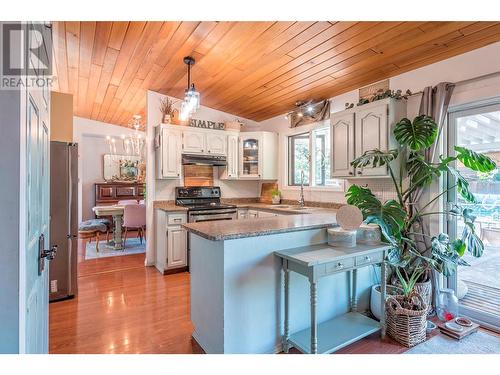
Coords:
191,100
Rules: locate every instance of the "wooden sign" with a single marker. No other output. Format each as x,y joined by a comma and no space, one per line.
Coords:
206,124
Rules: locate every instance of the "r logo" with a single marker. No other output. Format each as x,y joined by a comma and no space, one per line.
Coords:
26,50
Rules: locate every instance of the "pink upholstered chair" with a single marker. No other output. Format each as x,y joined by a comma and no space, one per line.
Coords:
134,217
127,201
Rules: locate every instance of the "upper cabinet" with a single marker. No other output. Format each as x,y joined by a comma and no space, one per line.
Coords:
258,156
231,170
249,155
361,129
342,133
193,142
201,141
371,133
169,154
216,143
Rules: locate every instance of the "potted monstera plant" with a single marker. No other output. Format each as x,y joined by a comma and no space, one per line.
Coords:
415,251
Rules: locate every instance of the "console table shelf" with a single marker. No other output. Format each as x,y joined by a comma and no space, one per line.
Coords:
318,261
336,333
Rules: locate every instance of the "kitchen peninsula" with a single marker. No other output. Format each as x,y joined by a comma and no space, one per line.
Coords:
236,281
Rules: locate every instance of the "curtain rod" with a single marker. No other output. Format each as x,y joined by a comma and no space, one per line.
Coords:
465,81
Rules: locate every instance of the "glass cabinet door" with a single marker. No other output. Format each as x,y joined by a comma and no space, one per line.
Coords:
250,157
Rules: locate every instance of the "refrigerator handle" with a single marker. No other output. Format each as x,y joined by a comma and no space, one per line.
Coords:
70,189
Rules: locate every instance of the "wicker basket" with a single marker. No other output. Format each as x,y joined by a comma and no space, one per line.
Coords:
406,326
425,291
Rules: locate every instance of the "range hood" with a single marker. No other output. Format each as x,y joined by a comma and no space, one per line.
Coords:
192,159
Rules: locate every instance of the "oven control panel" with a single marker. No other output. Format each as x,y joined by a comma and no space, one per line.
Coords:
198,192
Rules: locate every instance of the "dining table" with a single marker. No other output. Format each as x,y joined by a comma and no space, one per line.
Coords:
116,211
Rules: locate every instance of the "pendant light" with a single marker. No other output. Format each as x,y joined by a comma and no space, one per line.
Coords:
191,100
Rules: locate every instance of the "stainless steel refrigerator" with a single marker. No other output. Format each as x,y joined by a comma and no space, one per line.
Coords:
63,219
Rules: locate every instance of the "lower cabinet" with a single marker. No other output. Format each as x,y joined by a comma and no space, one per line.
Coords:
245,213
171,241
267,214
242,213
253,214
176,247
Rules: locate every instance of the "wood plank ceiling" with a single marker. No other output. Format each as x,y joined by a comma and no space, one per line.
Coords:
255,70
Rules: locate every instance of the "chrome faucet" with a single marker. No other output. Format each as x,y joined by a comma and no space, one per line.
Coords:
302,202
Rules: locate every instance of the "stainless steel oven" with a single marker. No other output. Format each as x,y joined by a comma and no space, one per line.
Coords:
212,214
203,203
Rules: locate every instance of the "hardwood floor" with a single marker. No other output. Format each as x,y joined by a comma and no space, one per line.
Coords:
124,307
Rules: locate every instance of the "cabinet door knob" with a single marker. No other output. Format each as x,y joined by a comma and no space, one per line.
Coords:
340,265
351,173
359,172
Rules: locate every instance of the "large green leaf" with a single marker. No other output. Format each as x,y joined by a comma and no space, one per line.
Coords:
475,161
462,185
390,216
375,158
447,255
420,172
417,135
473,243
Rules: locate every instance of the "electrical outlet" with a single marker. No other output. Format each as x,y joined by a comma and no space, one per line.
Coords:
53,286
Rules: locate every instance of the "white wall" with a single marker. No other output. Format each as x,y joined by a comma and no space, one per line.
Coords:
165,189
91,138
468,66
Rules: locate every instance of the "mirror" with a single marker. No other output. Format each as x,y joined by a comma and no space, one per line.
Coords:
121,167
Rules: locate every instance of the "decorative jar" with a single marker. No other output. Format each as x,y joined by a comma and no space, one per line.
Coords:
447,308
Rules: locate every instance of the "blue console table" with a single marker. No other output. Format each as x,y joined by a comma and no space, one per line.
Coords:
315,262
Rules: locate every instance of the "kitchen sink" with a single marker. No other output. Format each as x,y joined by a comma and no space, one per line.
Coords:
300,208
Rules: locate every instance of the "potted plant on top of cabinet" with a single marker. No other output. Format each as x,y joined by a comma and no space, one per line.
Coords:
415,251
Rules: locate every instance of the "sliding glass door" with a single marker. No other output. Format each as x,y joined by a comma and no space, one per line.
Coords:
478,286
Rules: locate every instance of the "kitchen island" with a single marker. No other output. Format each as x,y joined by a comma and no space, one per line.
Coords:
237,282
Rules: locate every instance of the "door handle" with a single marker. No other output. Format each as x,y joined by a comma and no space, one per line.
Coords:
42,253
49,254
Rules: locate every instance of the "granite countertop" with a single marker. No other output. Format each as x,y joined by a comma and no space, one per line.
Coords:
228,230
284,208
169,206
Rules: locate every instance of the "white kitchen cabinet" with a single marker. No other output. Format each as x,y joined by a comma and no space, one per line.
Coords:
357,130
258,156
176,248
230,172
194,142
169,152
242,213
253,214
216,143
267,214
342,138
171,241
371,133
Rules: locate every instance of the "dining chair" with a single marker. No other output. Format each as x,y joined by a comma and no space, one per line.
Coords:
134,217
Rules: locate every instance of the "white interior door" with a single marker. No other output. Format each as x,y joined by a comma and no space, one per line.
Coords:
477,127
34,300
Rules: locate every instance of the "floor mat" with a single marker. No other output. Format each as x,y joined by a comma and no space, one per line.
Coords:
132,246
477,343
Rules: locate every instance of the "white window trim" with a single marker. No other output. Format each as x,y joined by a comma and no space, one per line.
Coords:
285,146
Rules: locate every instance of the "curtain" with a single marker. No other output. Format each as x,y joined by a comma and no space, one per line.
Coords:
320,111
434,103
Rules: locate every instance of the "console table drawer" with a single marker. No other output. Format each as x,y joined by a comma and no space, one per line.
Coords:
340,265
369,259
